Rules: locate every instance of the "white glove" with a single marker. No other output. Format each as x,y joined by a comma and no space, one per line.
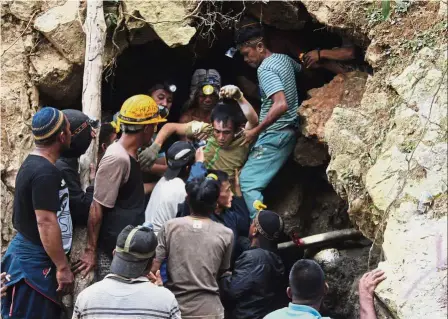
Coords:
231,92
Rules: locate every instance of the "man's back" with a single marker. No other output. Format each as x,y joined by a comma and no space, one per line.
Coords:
197,249
115,297
165,198
254,285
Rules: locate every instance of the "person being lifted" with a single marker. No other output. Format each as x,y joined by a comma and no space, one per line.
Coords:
275,135
119,198
224,150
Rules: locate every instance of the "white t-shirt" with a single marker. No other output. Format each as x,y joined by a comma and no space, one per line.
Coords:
165,197
137,298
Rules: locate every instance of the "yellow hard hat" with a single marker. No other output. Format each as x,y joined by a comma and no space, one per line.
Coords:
140,110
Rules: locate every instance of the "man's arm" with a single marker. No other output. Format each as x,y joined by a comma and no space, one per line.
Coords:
249,113
234,92
148,157
278,108
50,235
320,58
198,169
88,260
161,251
169,129
367,285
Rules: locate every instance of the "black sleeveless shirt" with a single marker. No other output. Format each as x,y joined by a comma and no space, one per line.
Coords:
129,209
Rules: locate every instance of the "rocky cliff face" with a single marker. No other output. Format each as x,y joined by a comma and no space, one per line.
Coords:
385,135
391,148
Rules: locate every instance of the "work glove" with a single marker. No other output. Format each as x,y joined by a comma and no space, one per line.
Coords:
231,92
148,156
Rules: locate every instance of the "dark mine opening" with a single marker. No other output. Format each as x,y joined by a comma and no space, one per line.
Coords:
141,66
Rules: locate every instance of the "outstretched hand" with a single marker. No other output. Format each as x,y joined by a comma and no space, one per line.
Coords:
65,279
148,156
231,92
155,279
311,59
200,157
369,281
250,136
86,264
4,277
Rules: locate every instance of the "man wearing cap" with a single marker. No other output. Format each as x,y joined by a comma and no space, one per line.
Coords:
119,198
205,86
127,291
36,258
82,131
275,135
250,290
170,189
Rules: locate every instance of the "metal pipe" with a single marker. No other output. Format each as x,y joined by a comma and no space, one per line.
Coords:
331,236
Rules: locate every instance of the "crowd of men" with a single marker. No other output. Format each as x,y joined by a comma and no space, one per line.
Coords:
205,245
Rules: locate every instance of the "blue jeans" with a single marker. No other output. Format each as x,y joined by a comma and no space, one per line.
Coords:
266,157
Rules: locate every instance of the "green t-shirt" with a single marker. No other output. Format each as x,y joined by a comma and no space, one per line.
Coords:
225,159
277,73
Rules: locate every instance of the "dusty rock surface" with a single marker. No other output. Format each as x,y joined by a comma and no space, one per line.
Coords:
61,25
19,100
391,147
283,15
167,18
345,90
310,152
55,75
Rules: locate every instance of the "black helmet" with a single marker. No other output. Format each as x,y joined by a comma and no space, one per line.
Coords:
81,129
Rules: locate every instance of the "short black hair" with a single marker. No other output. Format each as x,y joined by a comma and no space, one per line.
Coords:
228,110
160,86
248,29
106,131
222,176
202,195
53,138
307,281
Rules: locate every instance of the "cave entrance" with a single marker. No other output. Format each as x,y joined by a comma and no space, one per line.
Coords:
303,195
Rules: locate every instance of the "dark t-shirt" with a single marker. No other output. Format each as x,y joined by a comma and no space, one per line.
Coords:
39,186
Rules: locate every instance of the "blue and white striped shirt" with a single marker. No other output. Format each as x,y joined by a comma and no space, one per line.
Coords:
277,73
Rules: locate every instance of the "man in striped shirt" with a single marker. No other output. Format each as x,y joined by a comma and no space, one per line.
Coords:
127,291
275,135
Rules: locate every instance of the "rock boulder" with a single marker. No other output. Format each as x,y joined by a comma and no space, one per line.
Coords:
385,154
61,25
345,90
55,76
19,100
169,19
